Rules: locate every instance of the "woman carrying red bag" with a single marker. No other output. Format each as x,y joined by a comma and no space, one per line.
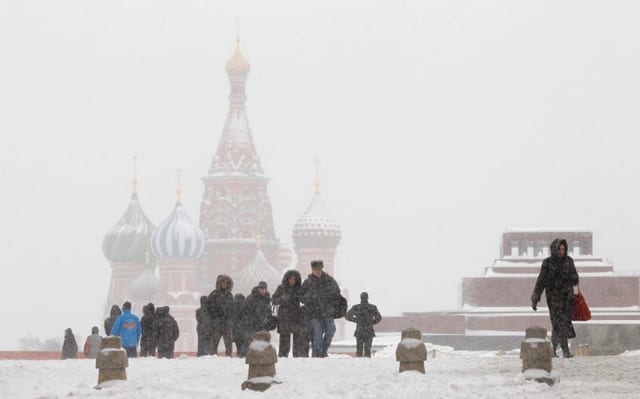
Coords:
557,277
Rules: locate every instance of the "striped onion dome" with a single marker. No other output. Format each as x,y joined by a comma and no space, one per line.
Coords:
145,286
317,221
128,240
258,269
178,237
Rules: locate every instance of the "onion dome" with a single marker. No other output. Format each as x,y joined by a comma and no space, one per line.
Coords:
145,286
128,240
317,224
178,236
258,269
237,64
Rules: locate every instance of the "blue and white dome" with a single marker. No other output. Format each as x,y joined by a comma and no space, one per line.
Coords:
178,237
128,240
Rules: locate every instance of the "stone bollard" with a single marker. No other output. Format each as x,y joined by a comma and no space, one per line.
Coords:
411,351
536,353
111,360
261,358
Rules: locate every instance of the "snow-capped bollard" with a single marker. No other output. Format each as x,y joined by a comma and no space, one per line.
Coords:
411,351
261,358
111,360
536,354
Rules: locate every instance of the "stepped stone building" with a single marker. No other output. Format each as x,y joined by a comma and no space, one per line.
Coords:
497,304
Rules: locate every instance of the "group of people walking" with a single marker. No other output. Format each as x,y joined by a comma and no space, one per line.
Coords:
303,313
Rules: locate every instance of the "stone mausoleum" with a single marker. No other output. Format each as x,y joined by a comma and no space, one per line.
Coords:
496,307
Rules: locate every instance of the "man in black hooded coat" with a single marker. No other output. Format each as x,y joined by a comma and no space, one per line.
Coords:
147,323
220,305
557,277
69,346
365,315
113,316
203,328
166,332
258,308
287,299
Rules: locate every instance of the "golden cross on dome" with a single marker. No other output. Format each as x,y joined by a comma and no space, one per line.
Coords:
178,188
317,182
134,182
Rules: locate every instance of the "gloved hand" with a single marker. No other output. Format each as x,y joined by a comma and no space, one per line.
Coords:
535,298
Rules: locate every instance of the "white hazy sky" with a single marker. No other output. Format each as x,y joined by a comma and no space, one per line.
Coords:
439,124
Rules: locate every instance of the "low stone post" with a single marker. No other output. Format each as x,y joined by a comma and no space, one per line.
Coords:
261,358
411,351
536,353
112,360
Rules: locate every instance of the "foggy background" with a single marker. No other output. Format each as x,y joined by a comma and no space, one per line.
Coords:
438,124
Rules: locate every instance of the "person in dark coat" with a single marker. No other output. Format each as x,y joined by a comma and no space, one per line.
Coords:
320,292
166,332
365,315
258,308
113,316
147,322
220,305
203,328
69,346
93,343
287,300
240,326
558,276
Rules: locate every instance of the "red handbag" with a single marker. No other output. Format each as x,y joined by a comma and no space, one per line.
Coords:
581,310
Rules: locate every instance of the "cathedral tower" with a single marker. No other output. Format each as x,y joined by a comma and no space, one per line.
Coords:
235,207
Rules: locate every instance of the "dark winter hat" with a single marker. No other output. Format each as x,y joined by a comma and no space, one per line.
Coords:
94,330
68,331
262,284
364,296
317,264
126,305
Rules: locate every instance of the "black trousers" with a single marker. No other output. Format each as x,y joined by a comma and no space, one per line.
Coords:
166,351
147,349
363,343
131,351
223,332
205,346
299,347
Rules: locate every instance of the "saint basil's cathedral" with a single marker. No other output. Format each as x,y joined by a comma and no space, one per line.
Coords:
177,261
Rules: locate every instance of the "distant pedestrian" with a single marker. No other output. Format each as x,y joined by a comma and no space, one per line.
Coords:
204,328
69,346
287,300
220,303
557,277
258,308
127,327
147,324
167,333
320,292
93,343
365,315
113,315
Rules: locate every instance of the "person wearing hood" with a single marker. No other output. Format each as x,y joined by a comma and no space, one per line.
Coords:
113,316
147,323
287,300
240,327
558,276
320,293
127,327
220,306
365,315
203,328
166,333
258,308
69,346
93,343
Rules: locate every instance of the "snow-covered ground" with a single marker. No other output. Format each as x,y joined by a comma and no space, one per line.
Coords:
451,374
